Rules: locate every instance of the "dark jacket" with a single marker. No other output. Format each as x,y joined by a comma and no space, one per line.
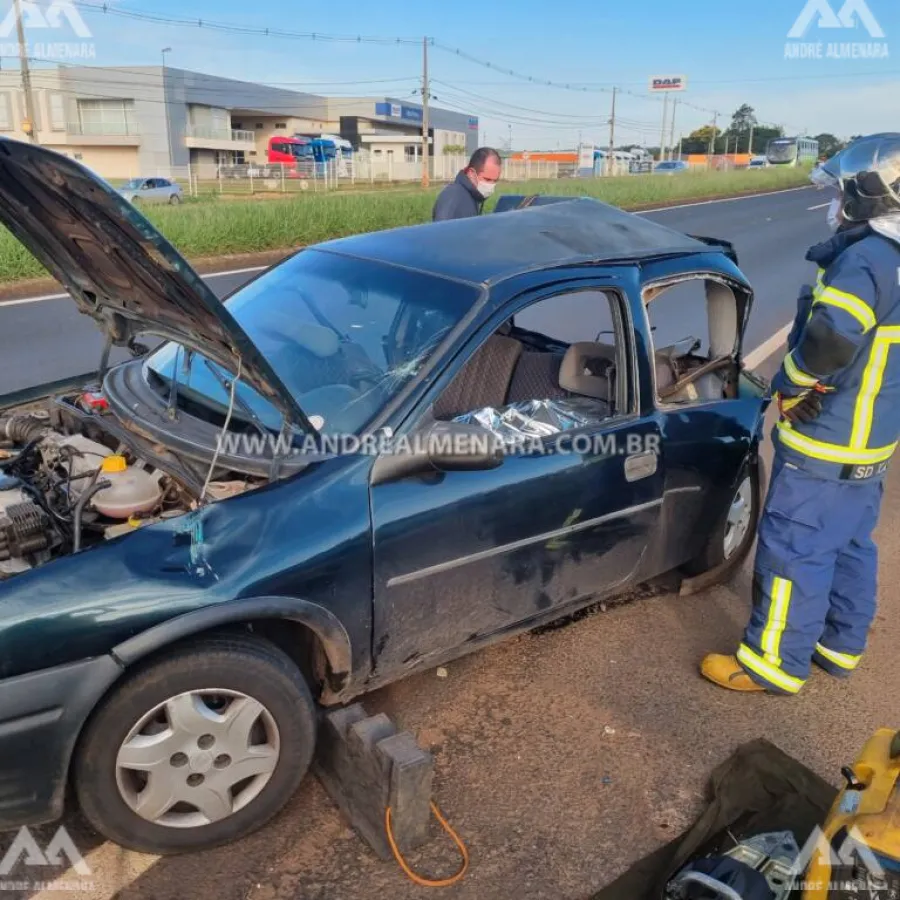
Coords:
458,200
846,337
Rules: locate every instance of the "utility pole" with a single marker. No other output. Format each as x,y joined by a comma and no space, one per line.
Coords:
30,124
612,135
425,94
712,140
750,148
662,135
672,133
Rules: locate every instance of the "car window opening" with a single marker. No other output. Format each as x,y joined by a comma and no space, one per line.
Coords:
697,367
551,368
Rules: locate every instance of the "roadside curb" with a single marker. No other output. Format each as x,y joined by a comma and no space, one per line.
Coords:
239,262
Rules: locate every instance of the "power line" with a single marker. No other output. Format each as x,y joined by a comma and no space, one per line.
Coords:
212,25
225,27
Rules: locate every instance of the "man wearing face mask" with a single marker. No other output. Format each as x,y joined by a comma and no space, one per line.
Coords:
473,185
838,394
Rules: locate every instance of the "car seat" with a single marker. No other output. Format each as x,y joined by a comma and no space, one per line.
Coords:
483,381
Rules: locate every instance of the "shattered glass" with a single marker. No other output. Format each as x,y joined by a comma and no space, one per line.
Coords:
536,418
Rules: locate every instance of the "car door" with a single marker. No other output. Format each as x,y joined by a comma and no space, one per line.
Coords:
708,433
462,557
154,193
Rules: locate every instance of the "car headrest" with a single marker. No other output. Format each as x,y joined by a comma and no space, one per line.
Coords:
585,370
319,340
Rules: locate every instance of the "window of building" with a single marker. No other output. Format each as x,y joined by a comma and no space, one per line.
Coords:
107,117
281,125
5,113
411,152
57,112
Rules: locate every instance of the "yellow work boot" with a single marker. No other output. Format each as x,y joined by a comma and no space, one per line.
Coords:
727,672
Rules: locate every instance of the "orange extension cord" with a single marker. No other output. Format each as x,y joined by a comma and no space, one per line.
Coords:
418,879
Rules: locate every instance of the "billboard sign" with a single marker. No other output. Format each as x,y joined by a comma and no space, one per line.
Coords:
666,83
398,111
586,160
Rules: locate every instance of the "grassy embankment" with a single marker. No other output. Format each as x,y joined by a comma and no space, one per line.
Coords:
209,228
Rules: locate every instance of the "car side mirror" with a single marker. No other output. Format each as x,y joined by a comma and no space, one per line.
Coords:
443,447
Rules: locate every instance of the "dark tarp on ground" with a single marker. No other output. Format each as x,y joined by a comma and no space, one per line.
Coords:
758,790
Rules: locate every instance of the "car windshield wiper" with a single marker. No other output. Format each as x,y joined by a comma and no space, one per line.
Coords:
244,406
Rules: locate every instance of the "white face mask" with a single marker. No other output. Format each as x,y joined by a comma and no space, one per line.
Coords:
486,188
833,214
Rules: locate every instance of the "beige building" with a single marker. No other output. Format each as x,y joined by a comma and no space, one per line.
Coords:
151,120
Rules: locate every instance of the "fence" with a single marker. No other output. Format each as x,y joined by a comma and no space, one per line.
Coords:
367,170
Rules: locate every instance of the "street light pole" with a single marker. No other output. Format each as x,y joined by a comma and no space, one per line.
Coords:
164,51
425,126
30,122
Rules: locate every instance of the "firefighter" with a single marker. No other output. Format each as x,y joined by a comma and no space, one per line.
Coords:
838,395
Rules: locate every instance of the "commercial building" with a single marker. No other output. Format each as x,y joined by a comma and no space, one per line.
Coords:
150,120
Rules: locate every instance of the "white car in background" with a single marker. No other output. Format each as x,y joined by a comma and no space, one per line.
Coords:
758,162
152,190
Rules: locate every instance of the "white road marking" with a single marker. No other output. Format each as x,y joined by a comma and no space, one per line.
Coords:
767,348
66,296
262,268
643,212
751,360
820,206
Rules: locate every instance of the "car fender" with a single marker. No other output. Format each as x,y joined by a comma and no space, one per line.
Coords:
326,626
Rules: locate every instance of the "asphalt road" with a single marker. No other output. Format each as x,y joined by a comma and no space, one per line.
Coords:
46,340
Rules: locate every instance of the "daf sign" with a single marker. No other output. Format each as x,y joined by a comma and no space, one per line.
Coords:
668,83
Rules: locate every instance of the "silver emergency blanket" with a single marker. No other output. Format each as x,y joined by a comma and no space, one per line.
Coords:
536,418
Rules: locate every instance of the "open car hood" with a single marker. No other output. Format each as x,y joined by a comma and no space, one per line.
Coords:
119,269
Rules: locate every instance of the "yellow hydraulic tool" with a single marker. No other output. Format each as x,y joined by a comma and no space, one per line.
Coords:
858,855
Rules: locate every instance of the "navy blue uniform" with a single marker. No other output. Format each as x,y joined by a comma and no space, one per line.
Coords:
815,576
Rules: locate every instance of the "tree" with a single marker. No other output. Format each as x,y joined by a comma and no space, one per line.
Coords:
743,119
698,141
829,144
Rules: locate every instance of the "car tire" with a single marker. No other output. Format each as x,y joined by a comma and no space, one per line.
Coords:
731,539
125,746
174,200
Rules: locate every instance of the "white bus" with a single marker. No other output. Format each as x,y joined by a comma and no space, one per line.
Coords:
796,151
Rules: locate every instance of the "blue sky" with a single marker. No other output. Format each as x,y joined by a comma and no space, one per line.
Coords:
730,54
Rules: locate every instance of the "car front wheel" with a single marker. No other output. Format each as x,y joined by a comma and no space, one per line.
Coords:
732,537
174,200
199,748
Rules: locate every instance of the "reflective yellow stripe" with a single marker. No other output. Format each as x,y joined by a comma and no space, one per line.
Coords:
850,303
779,606
844,660
832,452
770,673
797,375
870,388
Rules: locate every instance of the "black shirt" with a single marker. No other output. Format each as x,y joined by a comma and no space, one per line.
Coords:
458,200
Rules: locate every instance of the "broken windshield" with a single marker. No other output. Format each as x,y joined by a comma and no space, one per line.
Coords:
345,336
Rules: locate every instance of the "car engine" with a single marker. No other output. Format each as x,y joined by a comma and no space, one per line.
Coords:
62,491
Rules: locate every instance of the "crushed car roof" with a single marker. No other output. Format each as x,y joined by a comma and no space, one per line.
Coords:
492,247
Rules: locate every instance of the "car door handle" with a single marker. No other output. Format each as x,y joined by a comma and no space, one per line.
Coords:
641,465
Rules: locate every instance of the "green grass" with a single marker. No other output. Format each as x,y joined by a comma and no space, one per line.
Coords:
212,227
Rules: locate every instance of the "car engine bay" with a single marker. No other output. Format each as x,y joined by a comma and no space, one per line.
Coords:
67,484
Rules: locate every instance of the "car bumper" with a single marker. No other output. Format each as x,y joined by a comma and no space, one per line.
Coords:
41,717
